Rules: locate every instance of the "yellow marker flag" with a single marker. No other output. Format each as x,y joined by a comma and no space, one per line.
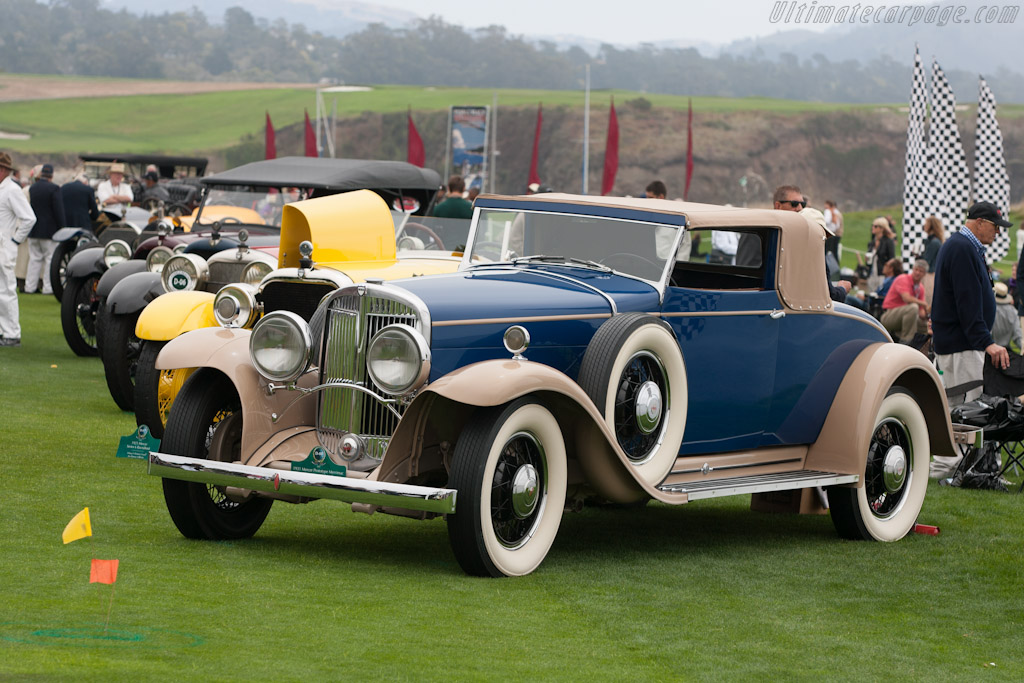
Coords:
78,527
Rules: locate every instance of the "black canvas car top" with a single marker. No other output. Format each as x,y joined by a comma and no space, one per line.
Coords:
329,174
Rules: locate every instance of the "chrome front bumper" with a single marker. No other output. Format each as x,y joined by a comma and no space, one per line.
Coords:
406,496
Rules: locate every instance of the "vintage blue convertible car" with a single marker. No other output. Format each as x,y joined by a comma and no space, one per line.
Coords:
579,353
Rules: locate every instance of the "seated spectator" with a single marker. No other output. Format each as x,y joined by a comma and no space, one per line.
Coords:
1006,329
152,189
904,310
892,269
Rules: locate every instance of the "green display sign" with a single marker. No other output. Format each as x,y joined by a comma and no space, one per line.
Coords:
317,462
138,444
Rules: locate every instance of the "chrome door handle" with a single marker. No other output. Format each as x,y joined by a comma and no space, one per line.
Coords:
777,314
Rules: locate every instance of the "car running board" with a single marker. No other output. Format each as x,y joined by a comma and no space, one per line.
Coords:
778,481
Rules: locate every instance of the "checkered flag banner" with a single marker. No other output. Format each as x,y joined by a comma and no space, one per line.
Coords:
991,182
952,180
917,181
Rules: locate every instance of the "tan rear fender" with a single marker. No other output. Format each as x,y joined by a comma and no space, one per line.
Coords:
842,445
227,351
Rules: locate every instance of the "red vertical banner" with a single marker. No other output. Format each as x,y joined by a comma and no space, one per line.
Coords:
689,151
270,142
534,176
611,153
416,154
310,138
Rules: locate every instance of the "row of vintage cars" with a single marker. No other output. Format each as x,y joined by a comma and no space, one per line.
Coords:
555,350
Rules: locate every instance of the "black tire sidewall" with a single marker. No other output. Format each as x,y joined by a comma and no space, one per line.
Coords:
117,363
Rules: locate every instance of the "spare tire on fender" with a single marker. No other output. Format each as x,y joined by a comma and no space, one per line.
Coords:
633,370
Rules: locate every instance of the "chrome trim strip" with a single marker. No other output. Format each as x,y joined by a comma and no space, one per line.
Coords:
334,384
567,278
735,467
703,314
334,277
528,319
389,292
345,489
780,481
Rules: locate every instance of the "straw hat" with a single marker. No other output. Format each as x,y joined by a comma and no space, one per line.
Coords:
5,161
1002,293
117,167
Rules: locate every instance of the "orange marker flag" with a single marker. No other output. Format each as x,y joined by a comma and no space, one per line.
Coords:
78,527
103,571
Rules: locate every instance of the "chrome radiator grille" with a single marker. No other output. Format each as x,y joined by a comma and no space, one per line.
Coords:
222,273
352,320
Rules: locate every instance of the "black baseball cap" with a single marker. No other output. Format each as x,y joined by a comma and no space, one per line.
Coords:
151,175
987,211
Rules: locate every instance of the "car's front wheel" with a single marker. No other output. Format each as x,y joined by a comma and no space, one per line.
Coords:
509,468
120,354
155,390
886,505
206,423
78,308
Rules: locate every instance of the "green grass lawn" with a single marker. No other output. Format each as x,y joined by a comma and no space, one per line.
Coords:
857,232
186,124
708,591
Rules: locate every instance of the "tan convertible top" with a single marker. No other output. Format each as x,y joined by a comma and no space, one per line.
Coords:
801,259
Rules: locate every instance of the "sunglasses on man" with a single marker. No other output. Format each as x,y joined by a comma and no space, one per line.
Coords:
794,202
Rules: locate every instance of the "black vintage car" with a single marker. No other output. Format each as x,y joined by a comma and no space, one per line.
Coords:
250,197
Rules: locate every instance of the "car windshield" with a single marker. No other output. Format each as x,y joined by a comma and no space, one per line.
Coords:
255,206
419,233
630,247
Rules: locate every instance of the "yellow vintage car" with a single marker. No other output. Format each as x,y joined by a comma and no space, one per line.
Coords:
326,243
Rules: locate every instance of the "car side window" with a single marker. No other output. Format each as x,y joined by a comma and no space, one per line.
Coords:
731,258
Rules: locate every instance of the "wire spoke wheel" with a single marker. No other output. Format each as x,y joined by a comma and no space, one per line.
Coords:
519,476
884,507
510,471
886,476
638,406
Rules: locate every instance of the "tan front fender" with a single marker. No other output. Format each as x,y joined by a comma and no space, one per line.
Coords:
227,351
440,411
842,445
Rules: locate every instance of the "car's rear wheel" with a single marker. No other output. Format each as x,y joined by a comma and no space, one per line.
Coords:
886,505
633,371
120,354
78,314
155,390
509,469
206,423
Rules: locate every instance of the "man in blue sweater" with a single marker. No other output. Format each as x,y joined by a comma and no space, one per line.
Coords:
963,306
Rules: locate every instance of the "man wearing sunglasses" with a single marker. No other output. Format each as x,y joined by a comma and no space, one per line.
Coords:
790,198
964,307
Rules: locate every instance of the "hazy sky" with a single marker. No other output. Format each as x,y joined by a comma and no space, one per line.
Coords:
718,21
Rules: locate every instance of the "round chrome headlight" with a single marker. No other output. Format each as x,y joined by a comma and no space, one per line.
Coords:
235,306
116,251
156,259
398,359
255,272
184,273
180,248
281,346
